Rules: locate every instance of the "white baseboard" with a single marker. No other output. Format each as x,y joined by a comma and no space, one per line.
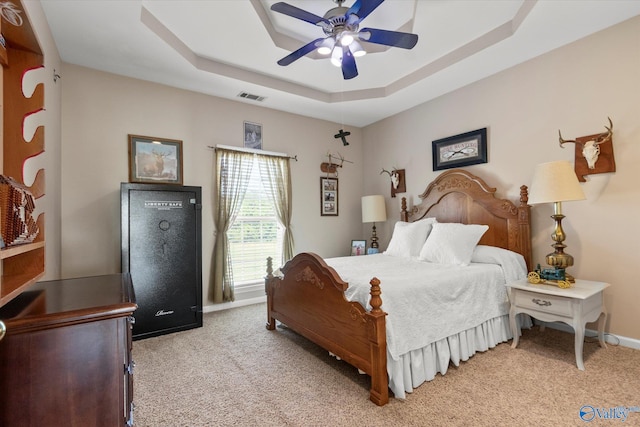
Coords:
609,338
234,304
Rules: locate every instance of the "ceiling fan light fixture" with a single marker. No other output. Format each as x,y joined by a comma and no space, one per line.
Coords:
357,50
326,46
346,38
336,56
342,36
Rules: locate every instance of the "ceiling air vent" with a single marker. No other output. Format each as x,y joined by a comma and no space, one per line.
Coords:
251,96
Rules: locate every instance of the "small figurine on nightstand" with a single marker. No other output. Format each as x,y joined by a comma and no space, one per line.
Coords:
549,276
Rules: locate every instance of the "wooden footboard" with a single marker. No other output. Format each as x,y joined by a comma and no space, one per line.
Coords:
309,298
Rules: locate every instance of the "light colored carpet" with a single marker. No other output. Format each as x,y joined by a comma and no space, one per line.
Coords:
234,372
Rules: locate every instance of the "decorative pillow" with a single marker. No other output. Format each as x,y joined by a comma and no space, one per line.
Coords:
491,254
452,243
408,238
513,264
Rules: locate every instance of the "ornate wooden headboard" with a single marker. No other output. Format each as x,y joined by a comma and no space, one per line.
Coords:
459,196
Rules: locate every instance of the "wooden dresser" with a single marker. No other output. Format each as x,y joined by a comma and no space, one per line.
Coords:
66,357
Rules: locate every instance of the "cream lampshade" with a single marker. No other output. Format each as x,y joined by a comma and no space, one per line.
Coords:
556,182
374,210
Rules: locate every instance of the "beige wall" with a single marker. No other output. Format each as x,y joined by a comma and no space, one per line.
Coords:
573,89
99,110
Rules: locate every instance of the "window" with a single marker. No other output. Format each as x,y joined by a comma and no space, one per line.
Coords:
252,212
255,234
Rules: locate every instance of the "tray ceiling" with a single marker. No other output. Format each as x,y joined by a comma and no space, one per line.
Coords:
227,47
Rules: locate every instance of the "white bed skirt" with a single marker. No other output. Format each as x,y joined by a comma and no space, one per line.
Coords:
418,366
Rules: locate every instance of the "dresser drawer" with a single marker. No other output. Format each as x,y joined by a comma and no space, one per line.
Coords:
545,303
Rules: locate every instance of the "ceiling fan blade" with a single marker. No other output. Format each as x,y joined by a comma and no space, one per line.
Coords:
362,8
297,54
349,69
298,13
388,38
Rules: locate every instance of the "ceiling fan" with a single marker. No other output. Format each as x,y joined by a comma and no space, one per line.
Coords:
340,26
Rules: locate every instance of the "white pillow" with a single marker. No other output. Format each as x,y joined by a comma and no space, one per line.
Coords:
492,254
408,238
513,264
452,243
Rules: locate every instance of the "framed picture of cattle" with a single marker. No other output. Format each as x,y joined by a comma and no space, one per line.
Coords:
155,160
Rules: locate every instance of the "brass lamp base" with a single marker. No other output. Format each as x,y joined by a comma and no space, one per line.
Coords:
374,238
559,259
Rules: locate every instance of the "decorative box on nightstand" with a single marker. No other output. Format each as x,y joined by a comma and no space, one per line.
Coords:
575,306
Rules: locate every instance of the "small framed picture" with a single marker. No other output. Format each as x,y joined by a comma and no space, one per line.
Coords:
466,149
358,247
155,160
329,196
253,135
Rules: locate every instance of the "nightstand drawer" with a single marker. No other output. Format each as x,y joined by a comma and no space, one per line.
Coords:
545,303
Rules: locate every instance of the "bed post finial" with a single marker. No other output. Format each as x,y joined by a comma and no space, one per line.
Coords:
524,195
269,267
268,289
379,393
376,301
404,214
524,227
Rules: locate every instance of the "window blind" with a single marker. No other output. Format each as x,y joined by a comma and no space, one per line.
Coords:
256,232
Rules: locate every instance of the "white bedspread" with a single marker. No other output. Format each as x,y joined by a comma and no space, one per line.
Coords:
428,302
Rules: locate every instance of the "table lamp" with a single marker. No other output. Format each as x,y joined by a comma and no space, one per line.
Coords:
374,210
556,182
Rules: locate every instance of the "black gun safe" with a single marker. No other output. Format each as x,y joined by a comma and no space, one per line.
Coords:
161,227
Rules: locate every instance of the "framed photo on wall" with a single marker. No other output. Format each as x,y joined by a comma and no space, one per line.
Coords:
466,149
253,135
328,196
155,160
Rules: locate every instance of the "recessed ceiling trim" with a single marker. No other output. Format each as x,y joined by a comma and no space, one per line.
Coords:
486,40
522,13
281,40
219,68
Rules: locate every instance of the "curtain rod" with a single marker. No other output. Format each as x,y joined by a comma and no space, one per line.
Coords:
253,151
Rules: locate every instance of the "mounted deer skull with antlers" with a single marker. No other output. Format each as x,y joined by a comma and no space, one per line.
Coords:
397,180
394,175
591,148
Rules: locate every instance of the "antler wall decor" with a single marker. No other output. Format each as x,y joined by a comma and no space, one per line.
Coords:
593,153
398,184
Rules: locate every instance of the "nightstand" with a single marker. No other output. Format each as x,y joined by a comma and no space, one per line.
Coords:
575,306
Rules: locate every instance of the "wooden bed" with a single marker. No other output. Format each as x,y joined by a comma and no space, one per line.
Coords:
309,297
